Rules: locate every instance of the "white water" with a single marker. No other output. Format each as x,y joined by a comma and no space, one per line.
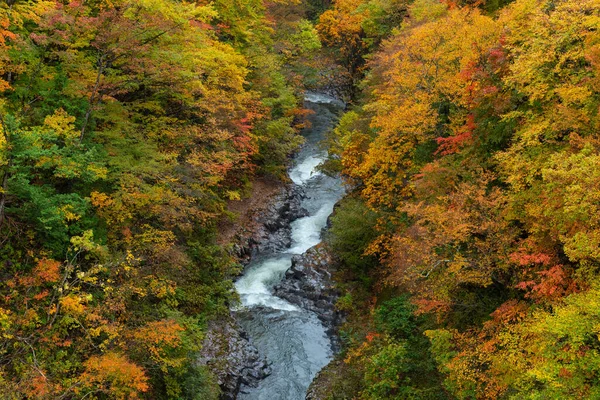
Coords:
321,98
255,286
305,170
293,339
306,232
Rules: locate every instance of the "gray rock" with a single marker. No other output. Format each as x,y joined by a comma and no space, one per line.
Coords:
232,358
309,284
274,232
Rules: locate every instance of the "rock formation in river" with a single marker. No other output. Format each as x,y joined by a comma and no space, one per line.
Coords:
232,358
309,284
273,225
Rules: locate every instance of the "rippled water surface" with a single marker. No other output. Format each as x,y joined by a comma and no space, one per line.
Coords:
291,338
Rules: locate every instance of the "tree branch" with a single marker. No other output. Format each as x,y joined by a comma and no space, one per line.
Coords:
425,274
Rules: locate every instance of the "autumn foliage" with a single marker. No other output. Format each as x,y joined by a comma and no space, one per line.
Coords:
125,127
476,142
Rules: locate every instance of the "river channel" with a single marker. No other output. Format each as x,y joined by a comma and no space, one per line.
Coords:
292,339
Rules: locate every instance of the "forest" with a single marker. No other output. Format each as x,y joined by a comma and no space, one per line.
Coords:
469,238
474,160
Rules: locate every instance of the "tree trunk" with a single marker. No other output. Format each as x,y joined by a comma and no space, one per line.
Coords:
4,185
3,194
93,96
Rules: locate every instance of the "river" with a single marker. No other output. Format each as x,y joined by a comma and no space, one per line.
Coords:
291,338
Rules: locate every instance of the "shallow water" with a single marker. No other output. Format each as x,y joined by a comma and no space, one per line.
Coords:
291,338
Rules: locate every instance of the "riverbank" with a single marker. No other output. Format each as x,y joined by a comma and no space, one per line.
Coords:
261,224
293,338
285,331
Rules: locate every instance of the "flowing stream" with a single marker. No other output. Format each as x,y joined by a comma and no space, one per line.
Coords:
291,338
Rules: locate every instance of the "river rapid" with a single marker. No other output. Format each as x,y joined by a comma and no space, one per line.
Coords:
292,339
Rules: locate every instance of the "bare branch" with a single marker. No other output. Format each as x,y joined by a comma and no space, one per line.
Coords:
425,274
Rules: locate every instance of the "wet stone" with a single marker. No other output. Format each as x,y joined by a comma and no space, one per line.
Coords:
312,272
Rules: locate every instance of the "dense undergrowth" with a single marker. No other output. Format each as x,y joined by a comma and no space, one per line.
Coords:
125,127
473,152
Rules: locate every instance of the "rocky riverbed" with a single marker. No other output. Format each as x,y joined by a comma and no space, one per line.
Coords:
272,225
227,349
286,290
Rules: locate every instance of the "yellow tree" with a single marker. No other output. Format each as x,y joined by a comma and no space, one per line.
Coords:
419,93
